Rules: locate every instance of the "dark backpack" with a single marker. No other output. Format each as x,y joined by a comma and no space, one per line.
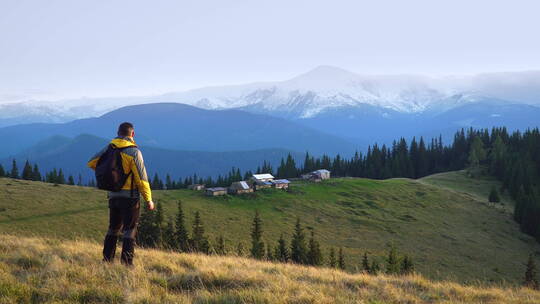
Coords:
109,170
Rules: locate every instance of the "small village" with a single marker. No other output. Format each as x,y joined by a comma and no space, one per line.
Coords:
258,182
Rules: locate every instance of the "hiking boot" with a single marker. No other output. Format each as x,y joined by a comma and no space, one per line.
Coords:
109,248
128,251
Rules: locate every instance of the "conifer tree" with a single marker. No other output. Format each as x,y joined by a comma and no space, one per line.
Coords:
407,266
27,171
531,279
147,232
298,244
156,183
36,175
365,263
341,259
332,262
182,234
266,168
169,241
392,263
257,245
314,255
309,164
71,180
497,157
199,242
375,268
473,163
269,255
220,245
159,219
60,179
494,196
2,171
477,154
282,252
51,176
168,182
14,170
79,181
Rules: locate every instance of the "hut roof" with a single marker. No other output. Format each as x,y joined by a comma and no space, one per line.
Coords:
281,181
263,176
240,185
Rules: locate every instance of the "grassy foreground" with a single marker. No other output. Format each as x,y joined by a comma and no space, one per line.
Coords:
51,271
451,235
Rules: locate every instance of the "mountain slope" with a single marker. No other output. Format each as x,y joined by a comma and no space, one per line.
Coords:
448,234
74,274
478,188
71,156
183,127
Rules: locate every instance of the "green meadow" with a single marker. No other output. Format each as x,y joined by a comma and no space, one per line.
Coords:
443,222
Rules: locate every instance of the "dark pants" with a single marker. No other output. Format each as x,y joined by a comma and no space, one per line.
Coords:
123,216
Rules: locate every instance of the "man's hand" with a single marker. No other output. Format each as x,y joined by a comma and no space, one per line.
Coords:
150,205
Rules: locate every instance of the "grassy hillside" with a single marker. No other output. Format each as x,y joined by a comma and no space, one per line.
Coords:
477,188
449,234
50,271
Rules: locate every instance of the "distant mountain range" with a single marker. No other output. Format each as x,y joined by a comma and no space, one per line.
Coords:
368,124
71,154
182,127
327,110
324,89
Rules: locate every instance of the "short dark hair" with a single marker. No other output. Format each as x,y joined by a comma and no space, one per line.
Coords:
125,129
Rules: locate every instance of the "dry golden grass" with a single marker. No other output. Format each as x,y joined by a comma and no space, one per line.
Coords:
53,271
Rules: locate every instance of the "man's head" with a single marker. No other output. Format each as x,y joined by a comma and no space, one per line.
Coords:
126,130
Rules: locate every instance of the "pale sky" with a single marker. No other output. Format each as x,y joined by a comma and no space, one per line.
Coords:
53,49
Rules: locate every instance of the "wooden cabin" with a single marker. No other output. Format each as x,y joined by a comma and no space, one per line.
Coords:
317,176
262,181
322,174
216,191
240,188
280,183
258,185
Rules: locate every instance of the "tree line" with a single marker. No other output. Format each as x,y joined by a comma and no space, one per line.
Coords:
32,172
156,232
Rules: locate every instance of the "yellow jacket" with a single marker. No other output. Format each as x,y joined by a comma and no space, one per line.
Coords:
132,161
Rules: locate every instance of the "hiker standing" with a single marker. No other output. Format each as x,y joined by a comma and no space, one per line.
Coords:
120,169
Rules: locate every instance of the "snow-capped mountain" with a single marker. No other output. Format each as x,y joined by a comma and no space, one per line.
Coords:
326,87
312,94
322,88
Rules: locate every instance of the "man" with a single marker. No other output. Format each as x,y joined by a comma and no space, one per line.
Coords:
124,204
